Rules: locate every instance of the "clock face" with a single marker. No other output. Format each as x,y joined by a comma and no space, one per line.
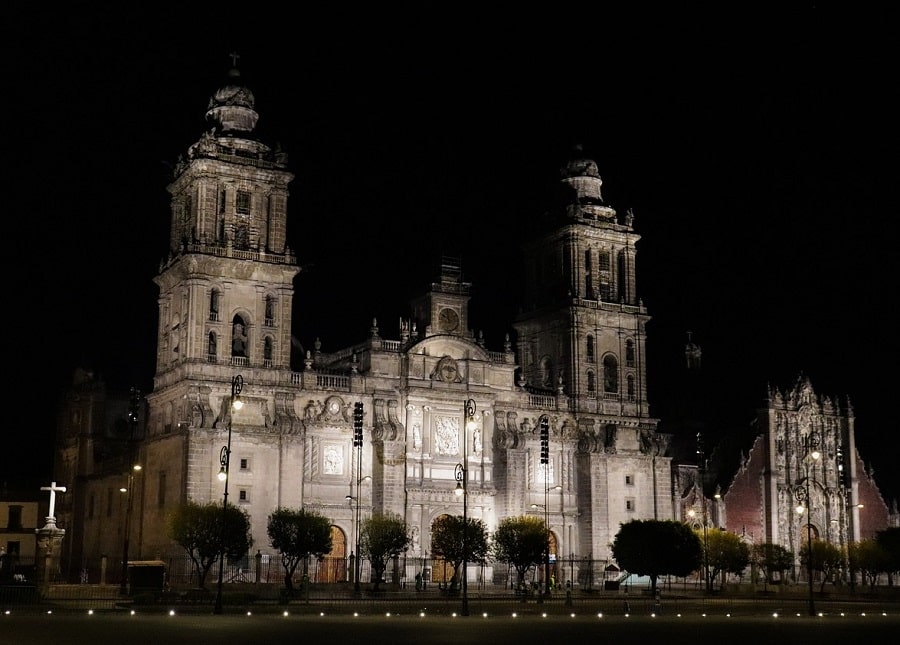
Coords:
448,320
334,406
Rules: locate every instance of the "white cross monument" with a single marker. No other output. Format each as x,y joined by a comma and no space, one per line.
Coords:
54,489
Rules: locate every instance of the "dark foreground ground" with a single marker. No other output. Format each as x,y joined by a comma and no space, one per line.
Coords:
346,629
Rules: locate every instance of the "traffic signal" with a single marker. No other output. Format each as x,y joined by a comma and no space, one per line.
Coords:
357,424
545,440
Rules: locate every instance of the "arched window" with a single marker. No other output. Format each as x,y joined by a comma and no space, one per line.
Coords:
591,382
546,372
174,336
214,297
629,353
267,351
590,349
211,347
270,311
630,386
240,345
610,374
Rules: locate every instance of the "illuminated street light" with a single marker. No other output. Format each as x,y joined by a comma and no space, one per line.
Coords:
237,384
811,455
462,489
134,408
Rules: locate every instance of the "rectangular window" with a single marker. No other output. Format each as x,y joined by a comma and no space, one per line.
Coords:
14,523
244,495
629,480
245,464
629,504
242,205
161,490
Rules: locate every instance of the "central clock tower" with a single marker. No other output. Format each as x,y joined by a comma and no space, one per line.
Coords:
444,309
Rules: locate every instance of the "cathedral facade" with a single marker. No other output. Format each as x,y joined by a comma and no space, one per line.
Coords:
576,365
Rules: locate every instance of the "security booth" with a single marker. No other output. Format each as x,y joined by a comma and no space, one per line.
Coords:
146,576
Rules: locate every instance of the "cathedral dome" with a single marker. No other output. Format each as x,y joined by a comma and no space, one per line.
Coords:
581,177
231,107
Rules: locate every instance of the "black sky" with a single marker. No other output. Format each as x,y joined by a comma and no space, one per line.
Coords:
757,151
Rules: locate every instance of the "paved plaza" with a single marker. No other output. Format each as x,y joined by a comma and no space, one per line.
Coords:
236,629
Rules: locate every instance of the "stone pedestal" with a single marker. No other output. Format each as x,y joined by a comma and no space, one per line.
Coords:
49,541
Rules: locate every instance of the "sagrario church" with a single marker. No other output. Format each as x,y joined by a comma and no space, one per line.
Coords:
576,363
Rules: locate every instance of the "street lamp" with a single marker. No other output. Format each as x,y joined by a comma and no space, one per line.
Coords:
810,445
462,488
129,504
701,466
237,384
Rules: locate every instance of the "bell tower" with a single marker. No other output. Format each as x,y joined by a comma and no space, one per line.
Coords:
582,326
227,286
225,298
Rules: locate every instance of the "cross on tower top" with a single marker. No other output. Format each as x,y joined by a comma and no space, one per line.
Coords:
234,58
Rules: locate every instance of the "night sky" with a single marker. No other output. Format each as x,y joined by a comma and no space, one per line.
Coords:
757,152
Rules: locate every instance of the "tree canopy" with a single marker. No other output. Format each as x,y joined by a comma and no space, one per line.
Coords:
383,536
198,529
725,553
657,547
449,534
298,534
521,542
771,559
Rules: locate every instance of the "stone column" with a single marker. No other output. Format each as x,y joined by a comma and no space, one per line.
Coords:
49,541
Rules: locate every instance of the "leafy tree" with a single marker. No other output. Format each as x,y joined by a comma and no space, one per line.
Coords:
826,558
383,536
869,559
725,553
449,534
772,559
520,541
657,547
297,534
198,528
889,540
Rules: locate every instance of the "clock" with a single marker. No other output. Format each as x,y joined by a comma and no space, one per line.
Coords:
334,406
448,319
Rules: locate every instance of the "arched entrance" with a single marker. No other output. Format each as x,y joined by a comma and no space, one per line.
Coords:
333,567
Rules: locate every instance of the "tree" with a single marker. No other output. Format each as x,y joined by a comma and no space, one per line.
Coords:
826,558
449,534
867,557
520,541
198,529
889,541
297,534
383,536
772,559
725,553
657,547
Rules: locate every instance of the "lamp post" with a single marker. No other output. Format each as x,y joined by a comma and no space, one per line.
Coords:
810,445
237,384
701,468
462,488
132,469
